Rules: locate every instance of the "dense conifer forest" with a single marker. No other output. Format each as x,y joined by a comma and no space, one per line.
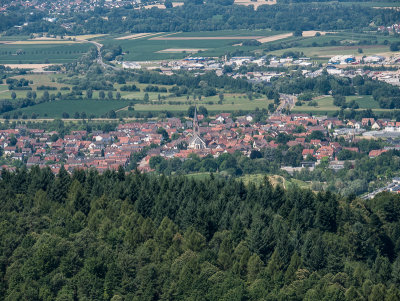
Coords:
134,236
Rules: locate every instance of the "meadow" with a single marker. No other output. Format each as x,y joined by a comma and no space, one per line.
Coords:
169,102
326,106
98,108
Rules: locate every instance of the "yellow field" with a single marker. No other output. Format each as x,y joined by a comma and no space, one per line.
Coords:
275,38
86,36
308,33
311,33
28,66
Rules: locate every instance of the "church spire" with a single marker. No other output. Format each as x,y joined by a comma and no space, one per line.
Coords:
195,114
195,122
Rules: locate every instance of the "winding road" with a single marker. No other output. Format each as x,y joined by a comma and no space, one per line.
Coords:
99,58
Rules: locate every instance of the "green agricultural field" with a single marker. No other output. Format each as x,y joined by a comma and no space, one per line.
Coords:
148,48
41,53
14,38
228,33
56,108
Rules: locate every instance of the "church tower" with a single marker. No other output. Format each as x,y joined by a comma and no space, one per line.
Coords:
196,142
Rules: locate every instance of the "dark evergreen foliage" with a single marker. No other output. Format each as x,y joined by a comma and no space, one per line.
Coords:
136,236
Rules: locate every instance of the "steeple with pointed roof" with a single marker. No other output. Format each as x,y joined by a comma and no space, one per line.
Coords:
196,142
195,122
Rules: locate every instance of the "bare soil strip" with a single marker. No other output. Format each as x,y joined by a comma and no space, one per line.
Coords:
138,36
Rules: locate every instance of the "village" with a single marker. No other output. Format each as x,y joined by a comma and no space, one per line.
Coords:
73,5
316,138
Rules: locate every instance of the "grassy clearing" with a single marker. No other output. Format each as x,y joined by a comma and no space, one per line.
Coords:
199,175
258,179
